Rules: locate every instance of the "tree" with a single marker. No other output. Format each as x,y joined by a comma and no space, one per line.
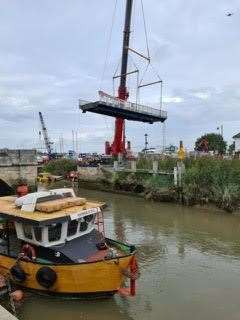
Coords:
211,142
231,148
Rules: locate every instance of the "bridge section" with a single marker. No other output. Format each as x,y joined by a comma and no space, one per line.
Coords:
18,164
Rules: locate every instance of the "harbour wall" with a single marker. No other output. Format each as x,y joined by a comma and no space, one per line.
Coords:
18,164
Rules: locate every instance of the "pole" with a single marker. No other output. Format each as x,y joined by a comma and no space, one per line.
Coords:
118,145
62,142
73,143
222,130
76,134
146,142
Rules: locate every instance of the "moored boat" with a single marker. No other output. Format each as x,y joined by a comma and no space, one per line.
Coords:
58,246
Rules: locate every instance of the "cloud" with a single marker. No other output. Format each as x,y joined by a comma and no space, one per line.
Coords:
53,54
172,99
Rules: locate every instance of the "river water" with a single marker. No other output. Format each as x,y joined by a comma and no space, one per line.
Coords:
189,260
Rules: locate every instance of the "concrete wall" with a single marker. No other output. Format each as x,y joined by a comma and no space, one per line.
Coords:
18,164
90,172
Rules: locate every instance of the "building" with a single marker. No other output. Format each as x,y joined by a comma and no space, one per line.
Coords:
236,139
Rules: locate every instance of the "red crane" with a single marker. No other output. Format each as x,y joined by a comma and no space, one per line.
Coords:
119,107
118,145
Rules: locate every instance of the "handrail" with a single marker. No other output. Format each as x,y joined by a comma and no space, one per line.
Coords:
115,102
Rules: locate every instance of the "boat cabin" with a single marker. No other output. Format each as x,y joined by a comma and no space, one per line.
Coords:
61,229
54,219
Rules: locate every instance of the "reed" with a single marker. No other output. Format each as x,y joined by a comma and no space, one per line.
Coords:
212,180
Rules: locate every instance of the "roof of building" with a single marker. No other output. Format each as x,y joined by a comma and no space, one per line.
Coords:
237,136
9,210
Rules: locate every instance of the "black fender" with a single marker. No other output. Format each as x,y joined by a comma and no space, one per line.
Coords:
18,274
46,277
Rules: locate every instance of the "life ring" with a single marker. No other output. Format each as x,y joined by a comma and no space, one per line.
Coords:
28,253
46,277
18,273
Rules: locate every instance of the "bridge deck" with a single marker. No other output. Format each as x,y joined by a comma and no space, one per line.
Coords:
114,107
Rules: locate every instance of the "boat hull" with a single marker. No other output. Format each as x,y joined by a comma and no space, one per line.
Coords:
100,278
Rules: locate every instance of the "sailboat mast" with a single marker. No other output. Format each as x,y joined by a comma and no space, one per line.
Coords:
118,146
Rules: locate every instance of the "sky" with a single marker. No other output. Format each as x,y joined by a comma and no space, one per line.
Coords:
54,53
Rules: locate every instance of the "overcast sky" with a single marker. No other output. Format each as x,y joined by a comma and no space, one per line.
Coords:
53,53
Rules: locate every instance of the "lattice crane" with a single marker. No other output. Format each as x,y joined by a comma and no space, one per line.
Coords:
47,142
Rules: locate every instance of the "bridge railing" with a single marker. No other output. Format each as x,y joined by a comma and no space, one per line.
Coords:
115,102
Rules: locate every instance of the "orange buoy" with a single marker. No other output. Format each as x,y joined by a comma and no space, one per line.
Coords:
22,190
124,292
17,295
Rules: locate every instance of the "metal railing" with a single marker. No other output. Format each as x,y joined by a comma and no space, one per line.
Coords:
83,102
115,102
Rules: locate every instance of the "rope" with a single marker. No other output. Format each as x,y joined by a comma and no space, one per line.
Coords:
109,44
11,300
161,85
115,73
133,20
155,71
145,29
144,73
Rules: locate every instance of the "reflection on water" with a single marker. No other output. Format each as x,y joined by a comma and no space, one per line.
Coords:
189,260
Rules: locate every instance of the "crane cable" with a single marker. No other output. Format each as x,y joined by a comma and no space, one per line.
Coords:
150,63
109,44
145,29
107,56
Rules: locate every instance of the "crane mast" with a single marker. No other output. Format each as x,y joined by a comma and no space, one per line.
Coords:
118,145
45,136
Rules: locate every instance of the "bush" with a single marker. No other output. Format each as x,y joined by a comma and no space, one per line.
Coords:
60,166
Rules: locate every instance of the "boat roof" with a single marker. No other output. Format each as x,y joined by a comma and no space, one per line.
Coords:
10,211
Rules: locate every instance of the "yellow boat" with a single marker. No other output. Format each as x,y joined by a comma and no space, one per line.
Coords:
58,246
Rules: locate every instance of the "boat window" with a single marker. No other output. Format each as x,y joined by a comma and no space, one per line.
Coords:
67,195
49,198
72,228
89,218
37,233
27,230
54,232
83,226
